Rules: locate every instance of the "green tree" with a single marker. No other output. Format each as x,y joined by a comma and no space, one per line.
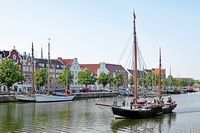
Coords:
103,79
150,79
66,78
10,73
41,77
130,81
118,80
85,77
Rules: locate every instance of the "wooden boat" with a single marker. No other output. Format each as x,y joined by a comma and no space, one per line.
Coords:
170,105
168,108
137,110
49,97
29,97
137,113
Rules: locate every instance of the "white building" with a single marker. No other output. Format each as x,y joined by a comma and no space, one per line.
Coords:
74,67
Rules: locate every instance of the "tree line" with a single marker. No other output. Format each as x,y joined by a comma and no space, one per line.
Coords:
11,73
151,80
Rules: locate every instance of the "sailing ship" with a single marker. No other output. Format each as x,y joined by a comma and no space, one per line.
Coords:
49,97
170,105
138,108
29,97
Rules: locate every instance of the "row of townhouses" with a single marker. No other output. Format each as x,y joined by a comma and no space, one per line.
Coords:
56,67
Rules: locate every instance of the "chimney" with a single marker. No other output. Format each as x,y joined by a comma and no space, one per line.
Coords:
60,58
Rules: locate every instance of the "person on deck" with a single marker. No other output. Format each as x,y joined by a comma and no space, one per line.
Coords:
131,104
169,100
124,102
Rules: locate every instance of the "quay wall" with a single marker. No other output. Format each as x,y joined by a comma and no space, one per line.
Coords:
7,98
95,94
82,95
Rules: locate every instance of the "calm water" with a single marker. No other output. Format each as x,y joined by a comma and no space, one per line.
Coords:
83,116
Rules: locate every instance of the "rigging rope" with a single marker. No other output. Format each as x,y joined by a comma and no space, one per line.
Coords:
105,110
125,48
129,61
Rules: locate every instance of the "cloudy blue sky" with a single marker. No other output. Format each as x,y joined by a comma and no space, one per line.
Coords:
97,30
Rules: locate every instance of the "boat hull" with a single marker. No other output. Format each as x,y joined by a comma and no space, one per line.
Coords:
168,108
137,113
53,98
25,98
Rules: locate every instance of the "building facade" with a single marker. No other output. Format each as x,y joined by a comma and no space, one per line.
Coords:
111,69
74,67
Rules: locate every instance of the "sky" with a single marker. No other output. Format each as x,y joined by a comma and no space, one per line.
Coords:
97,31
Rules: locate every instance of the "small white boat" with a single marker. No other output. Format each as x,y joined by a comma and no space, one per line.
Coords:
53,98
25,98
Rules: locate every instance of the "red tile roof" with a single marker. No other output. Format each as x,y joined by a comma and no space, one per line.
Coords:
91,67
67,62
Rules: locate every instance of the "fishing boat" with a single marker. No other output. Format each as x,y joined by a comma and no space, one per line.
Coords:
49,97
138,108
29,97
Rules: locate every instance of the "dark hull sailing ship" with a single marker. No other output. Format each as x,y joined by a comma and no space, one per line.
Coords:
137,113
138,110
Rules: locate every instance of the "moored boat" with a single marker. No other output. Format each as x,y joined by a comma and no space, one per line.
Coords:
53,98
25,98
29,97
49,97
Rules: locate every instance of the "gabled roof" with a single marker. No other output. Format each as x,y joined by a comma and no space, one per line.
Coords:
114,68
91,67
67,62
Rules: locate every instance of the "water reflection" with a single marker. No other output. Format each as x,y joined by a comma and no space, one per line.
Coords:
9,121
154,125
83,116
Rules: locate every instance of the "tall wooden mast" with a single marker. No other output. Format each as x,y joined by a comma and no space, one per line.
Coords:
49,66
135,59
33,70
159,77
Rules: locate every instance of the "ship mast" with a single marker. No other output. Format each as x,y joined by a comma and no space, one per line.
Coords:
49,66
33,71
159,77
135,60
